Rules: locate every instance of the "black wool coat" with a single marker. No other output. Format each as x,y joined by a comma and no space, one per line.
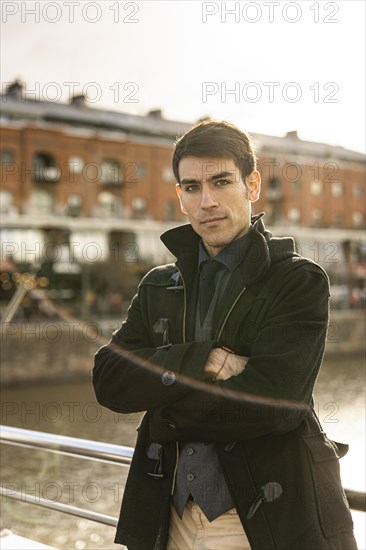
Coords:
280,467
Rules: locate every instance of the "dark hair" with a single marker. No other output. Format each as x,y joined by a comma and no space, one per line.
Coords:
216,139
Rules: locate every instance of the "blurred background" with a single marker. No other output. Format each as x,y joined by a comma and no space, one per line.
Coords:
93,96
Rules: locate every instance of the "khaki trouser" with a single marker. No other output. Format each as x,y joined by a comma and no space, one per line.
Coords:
195,532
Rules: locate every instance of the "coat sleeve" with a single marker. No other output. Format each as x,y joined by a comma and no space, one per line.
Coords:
274,393
130,375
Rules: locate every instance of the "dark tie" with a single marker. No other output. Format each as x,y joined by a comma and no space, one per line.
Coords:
207,285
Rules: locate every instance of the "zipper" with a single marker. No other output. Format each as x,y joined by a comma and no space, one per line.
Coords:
228,313
184,339
184,308
175,467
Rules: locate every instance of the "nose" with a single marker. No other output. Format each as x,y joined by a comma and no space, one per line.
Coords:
208,199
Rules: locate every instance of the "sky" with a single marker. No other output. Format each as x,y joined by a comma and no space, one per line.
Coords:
268,66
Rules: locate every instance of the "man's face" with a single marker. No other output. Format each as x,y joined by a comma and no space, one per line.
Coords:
216,199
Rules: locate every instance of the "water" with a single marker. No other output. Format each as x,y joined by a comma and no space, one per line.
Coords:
70,409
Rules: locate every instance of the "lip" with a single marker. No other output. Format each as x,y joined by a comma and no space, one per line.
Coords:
210,221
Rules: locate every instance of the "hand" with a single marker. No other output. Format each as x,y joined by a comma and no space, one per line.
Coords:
222,364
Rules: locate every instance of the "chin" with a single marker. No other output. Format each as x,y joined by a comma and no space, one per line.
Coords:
217,244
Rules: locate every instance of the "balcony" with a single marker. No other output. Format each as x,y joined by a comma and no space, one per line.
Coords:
46,174
45,169
111,174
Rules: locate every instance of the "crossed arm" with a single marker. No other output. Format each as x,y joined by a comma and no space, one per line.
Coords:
277,379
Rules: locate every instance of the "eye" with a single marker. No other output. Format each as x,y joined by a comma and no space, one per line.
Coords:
222,183
191,188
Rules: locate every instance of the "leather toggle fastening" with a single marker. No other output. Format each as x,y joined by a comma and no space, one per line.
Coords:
155,452
176,278
161,326
268,493
229,447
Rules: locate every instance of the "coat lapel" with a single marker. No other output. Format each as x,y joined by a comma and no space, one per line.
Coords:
183,242
237,294
251,269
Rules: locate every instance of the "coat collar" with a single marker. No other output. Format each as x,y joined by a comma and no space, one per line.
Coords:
183,242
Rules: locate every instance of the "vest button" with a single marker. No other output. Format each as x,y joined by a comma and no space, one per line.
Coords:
190,477
190,451
168,378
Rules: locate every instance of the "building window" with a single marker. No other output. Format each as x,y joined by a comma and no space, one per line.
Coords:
76,164
108,205
168,174
6,157
316,187
25,240
317,215
41,203
6,201
74,204
357,218
337,189
111,173
294,215
139,207
140,170
44,168
357,191
274,191
274,183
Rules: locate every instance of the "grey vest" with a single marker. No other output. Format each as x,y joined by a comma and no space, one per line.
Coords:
199,472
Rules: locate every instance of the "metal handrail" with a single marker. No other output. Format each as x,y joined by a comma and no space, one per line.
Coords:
59,506
94,450
72,446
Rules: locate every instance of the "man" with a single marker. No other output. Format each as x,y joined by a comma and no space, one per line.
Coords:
222,349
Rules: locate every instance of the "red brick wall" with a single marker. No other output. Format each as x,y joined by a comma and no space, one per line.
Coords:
93,148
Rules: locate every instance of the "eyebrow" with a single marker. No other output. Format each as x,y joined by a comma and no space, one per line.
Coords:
214,177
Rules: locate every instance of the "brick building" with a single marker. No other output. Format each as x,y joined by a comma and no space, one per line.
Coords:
311,184
86,193
70,160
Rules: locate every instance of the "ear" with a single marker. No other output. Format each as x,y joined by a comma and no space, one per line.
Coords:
178,190
253,182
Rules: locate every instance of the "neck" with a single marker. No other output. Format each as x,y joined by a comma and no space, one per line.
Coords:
214,250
